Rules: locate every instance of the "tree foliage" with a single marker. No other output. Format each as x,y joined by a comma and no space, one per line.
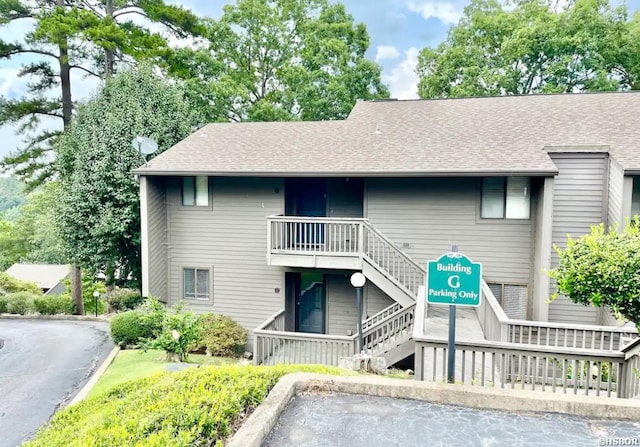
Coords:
11,194
98,213
89,36
32,236
603,269
268,60
527,46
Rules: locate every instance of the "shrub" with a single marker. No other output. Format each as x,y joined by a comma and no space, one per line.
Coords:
20,303
8,284
127,328
180,332
120,300
197,407
54,304
145,322
3,305
222,336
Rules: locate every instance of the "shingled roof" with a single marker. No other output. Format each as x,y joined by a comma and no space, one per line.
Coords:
467,136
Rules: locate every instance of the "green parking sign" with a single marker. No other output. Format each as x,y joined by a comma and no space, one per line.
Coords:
454,279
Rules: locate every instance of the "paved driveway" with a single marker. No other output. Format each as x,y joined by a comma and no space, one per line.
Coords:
43,364
367,421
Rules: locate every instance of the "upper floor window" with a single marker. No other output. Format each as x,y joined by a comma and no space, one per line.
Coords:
195,191
635,197
505,198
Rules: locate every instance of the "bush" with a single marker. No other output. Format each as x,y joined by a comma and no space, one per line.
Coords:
20,303
3,305
127,328
180,332
197,407
222,336
54,304
602,269
8,284
120,300
145,322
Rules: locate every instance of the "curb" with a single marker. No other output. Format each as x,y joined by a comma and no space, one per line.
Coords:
95,377
52,317
257,427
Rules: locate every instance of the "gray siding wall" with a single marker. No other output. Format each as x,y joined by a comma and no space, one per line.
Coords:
425,216
230,238
342,312
579,201
157,227
616,188
375,300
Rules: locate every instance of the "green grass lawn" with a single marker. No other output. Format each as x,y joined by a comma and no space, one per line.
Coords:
134,364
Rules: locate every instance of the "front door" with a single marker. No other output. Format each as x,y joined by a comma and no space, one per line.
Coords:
311,302
307,198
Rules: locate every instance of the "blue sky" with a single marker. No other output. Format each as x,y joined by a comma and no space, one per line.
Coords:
398,30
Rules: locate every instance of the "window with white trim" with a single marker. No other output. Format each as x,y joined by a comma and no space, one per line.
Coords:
195,191
505,198
635,197
196,283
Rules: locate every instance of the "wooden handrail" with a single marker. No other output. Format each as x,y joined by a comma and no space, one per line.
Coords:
379,234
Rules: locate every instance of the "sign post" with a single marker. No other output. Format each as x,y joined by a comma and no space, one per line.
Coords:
453,280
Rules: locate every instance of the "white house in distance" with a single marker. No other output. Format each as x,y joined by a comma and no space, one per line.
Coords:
49,277
254,219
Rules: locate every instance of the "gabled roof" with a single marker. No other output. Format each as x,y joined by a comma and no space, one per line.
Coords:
467,136
46,276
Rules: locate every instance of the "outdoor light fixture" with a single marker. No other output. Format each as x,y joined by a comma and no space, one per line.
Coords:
96,295
357,281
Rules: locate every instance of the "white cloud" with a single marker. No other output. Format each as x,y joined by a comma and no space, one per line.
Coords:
403,80
446,12
386,52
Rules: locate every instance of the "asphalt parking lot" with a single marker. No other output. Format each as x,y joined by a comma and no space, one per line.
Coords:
43,364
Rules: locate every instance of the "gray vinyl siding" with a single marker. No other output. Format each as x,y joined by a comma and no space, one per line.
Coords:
425,216
58,289
344,198
375,300
579,201
230,239
616,188
157,227
342,312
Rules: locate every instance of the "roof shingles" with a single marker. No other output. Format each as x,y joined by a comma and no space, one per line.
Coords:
419,137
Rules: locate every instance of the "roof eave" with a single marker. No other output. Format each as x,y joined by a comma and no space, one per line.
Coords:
479,173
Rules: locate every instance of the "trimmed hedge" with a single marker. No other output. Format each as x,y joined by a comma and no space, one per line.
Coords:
54,304
196,407
20,303
222,336
145,322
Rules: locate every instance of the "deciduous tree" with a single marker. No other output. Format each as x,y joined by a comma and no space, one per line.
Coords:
269,60
99,213
529,46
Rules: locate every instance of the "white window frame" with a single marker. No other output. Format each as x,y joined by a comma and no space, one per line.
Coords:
209,296
205,198
505,200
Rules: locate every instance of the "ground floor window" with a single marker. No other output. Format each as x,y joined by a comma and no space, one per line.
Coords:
196,283
513,298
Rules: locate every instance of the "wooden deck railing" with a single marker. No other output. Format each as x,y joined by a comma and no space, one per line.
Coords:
523,366
395,327
498,327
383,254
320,235
384,313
